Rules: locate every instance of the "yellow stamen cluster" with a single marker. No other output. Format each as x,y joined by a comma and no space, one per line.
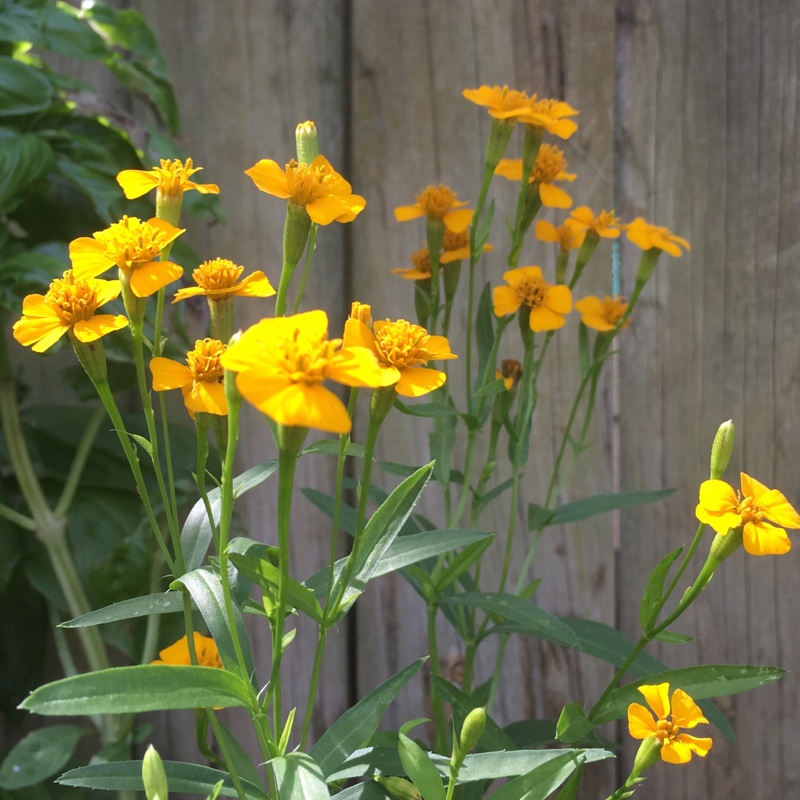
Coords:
550,163
131,242
613,309
455,241
204,362
421,260
666,730
748,508
436,201
531,290
304,358
72,300
216,274
402,344
307,183
174,175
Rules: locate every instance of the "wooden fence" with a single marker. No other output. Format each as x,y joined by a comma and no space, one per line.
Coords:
688,117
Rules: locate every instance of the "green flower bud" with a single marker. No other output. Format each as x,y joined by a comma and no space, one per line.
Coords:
153,775
721,449
472,729
305,136
399,788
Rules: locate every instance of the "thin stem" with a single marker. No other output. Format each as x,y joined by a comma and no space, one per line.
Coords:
465,487
173,501
310,248
202,424
158,347
21,520
79,462
319,652
150,646
437,704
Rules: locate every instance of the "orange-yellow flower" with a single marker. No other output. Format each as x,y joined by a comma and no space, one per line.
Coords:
583,219
602,315
565,236
177,654
759,511
500,101
422,269
510,371
437,203
171,179
200,381
282,363
551,115
455,246
219,278
665,722
402,350
133,246
325,194
550,166
548,302
68,305
646,236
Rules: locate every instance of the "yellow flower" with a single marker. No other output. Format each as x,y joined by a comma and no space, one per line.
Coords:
177,654
500,101
200,382
133,246
666,721
565,236
402,349
645,235
421,271
325,194
602,315
455,246
550,166
552,115
282,363
171,179
510,371
758,510
218,278
548,302
437,203
68,305
583,220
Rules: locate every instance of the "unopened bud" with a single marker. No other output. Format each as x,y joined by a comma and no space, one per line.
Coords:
153,775
472,729
307,142
511,370
721,449
399,788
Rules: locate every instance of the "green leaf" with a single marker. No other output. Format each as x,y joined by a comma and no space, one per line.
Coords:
330,447
368,790
527,616
651,599
20,22
426,409
168,603
603,503
64,33
244,767
670,637
483,230
206,590
182,778
538,517
461,563
570,789
23,89
267,576
299,777
494,492
484,331
196,534
708,680
573,724
542,780
420,770
39,755
151,687
24,159
528,733
493,387
358,723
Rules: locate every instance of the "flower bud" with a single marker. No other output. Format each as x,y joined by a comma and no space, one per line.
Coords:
511,371
648,753
721,449
153,775
399,788
472,729
362,312
307,142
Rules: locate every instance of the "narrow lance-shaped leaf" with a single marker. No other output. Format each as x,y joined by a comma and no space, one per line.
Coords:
541,781
41,754
299,777
136,607
420,769
651,599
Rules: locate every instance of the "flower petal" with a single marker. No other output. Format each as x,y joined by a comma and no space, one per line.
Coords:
657,696
308,406
189,291
640,721
717,506
405,213
39,333
270,178
544,319
553,196
149,278
505,299
203,188
675,752
255,285
325,210
208,397
761,539
137,182
88,257
419,381
558,298
510,168
458,219
169,374
90,330
546,232
699,745
685,712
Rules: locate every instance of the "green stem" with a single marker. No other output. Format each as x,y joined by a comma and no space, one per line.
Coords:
322,636
202,424
311,247
150,646
79,462
162,401
465,487
437,704
158,346
18,519
434,230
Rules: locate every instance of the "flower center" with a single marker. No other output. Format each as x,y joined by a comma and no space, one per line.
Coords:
749,510
306,359
510,99
207,655
401,344
531,290
422,261
605,219
173,176
130,243
436,201
72,300
203,361
666,730
308,183
613,309
455,241
219,273
550,163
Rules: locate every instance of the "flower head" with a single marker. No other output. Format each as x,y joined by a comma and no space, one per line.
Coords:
646,236
455,246
550,166
421,269
510,371
500,101
602,315
177,654
402,350
323,192
565,236
551,115
759,511
133,246
200,380
666,720
437,203
68,305
283,362
171,179
219,278
583,220
548,302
